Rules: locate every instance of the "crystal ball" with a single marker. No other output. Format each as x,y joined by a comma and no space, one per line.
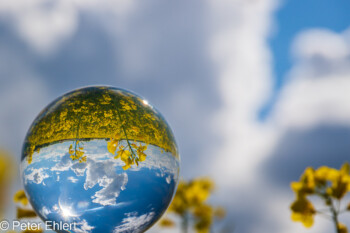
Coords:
101,159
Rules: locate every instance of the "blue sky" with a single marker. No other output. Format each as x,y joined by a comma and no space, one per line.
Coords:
292,17
254,91
298,15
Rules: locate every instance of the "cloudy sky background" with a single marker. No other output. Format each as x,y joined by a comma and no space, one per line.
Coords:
255,90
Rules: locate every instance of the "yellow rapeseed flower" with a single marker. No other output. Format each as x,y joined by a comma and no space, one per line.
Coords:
197,191
220,212
325,174
306,185
140,152
341,183
123,155
25,213
191,198
20,197
342,228
329,184
70,150
7,173
128,162
308,180
33,231
112,145
303,211
165,222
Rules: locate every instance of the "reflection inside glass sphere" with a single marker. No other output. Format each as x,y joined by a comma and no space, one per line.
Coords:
102,158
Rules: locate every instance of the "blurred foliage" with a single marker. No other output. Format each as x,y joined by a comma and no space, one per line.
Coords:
24,211
101,113
190,205
7,174
329,184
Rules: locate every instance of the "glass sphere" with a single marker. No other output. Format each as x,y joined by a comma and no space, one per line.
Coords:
100,158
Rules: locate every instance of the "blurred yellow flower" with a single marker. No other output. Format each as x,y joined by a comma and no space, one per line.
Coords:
341,183
140,151
33,231
198,191
330,184
112,145
342,228
124,155
7,173
306,185
128,162
189,203
77,154
303,211
20,197
165,222
324,174
25,213
220,212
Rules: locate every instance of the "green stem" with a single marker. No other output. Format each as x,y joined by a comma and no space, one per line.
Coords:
334,215
333,210
123,128
77,137
185,223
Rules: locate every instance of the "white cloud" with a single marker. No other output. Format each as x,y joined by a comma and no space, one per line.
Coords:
319,83
134,223
48,154
168,179
55,207
321,42
308,102
37,175
104,174
44,24
79,168
72,179
64,164
83,227
83,204
240,51
165,163
45,211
